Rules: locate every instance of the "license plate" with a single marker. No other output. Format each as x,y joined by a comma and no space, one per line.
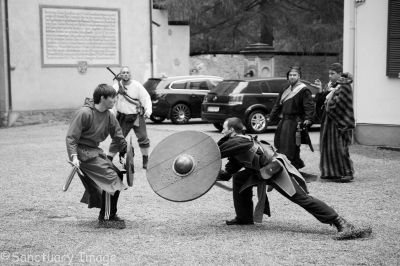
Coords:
213,109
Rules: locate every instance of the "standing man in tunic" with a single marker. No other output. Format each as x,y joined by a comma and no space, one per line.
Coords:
294,108
92,124
337,124
133,106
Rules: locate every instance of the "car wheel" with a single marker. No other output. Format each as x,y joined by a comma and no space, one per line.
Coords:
157,119
257,122
218,126
180,114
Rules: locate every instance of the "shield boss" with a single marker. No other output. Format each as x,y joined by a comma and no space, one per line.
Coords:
184,166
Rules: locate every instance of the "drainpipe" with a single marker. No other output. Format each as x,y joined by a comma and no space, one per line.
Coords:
349,27
349,50
8,61
351,58
151,38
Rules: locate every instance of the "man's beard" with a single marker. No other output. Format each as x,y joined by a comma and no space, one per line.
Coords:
292,82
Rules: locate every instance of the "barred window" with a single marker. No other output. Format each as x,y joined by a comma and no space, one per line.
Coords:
393,42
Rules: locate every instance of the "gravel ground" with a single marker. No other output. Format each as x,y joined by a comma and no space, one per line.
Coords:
41,225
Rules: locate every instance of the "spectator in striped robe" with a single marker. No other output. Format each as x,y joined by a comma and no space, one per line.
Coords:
337,124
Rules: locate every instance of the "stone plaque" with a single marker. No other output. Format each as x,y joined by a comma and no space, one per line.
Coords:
70,35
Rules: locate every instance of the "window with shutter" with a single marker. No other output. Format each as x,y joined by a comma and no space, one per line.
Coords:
393,43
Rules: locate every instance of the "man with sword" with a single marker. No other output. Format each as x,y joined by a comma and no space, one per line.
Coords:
264,166
133,106
92,124
185,165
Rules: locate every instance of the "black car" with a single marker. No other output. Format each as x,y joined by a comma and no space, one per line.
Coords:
250,100
179,98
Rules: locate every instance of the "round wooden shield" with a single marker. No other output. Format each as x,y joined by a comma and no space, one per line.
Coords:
184,166
129,166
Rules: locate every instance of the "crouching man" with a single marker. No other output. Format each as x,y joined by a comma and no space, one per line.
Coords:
91,125
264,167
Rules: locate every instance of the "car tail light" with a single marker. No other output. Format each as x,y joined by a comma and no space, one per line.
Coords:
235,99
209,98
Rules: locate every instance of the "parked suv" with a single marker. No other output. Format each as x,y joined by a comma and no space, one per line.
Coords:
179,98
250,100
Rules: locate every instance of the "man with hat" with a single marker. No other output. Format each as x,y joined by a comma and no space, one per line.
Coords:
335,108
294,108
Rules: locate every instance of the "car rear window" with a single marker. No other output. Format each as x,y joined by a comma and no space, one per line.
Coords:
151,84
228,87
276,86
252,87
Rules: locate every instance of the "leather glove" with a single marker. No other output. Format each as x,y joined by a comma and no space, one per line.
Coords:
118,77
318,84
224,176
75,161
147,114
122,153
307,123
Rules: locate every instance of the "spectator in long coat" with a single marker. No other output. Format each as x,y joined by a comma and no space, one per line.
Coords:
335,102
294,107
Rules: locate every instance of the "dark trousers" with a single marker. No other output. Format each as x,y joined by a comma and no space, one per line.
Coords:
127,123
244,204
109,205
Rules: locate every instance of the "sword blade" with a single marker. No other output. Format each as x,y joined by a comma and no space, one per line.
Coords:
309,140
71,175
224,187
69,178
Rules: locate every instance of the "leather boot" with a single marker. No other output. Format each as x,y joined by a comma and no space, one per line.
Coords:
236,221
346,179
145,161
342,225
117,222
346,230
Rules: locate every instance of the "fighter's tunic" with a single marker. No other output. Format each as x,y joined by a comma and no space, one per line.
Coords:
294,105
88,128
336,131
135,90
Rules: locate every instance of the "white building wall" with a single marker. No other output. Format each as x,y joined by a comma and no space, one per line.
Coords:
171,46
37,87
376,97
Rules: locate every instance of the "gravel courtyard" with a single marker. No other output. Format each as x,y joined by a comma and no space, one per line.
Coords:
42,225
